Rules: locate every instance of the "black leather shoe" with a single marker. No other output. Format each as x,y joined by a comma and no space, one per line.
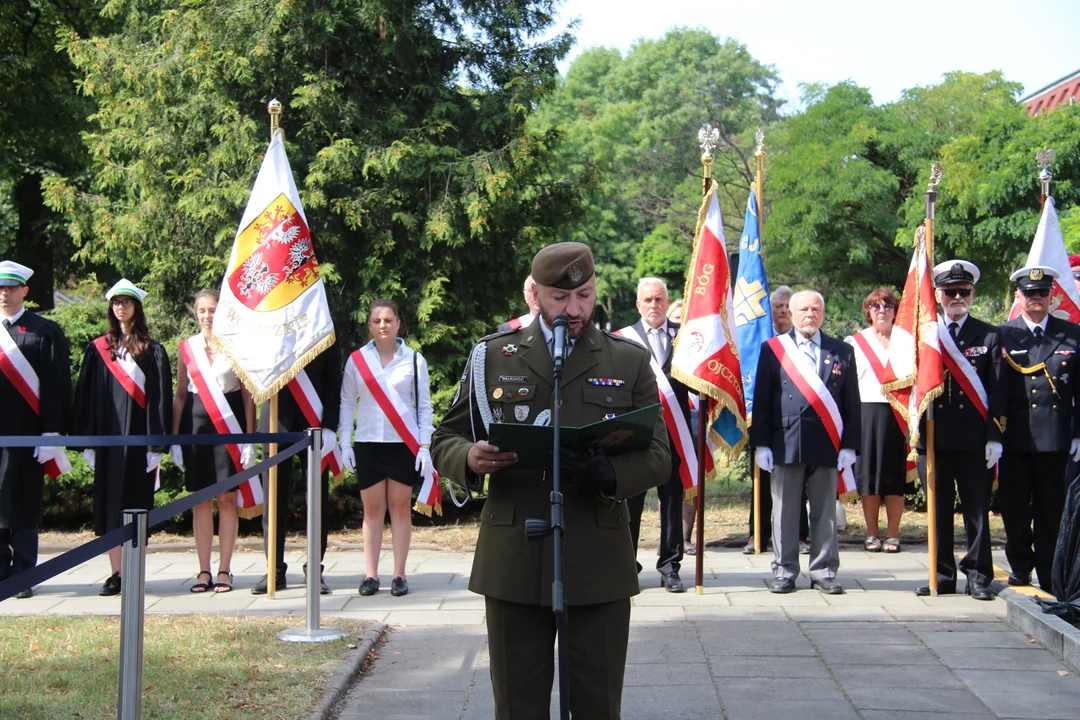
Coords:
979,592
399,586
829,587
260,587
782,585
942,589
24,594
1019,579
370,586
671,582
111,586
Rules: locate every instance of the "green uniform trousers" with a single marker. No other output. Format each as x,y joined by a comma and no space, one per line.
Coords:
521,641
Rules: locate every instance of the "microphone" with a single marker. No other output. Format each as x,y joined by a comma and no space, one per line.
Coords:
561,328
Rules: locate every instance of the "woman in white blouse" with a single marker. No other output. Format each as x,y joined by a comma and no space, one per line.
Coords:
206,465
386,467
880,471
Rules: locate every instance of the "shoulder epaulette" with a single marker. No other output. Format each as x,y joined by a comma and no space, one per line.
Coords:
624,339
497,333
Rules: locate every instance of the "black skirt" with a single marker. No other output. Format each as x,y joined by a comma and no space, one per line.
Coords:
376,461
880,468
207,464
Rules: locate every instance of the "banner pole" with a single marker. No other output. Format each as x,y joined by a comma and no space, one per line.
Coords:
699,537
271,507
759,193
1044,158
931,464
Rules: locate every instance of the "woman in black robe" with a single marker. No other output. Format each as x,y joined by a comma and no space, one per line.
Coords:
124,477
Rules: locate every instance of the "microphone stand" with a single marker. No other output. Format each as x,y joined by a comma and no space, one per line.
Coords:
536,529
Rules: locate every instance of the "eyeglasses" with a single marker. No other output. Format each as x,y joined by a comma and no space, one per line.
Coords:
122,301
954,292
1036,292
882,307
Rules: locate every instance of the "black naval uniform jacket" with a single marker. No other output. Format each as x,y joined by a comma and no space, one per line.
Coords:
787,424
1041,404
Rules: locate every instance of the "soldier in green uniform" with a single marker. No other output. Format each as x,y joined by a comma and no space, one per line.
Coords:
509,379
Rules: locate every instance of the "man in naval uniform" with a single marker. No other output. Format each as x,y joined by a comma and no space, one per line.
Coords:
509,379
36,349
968,422
1042,394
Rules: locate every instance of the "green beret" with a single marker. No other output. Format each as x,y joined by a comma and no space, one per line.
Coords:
565,265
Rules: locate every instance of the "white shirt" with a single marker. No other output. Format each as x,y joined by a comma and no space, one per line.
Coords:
12,319
1031,325
869,385
806,349
659,340
220,369
358,404
549,338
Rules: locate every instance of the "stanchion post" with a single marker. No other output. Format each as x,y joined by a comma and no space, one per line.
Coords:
312,632
132,606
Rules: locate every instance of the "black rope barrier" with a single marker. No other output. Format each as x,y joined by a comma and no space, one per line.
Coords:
99,441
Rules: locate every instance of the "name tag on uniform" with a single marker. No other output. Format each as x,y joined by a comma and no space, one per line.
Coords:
1064,352
1014,352
976,351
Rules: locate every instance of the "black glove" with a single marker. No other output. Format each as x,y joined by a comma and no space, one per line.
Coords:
588,472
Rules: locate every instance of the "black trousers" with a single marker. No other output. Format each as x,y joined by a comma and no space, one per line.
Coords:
964,472
521,642
670,495
18,550
1031,495
766,512
285,480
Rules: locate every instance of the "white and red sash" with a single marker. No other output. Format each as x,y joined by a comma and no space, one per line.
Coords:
193,350
128,373
20,373
884,374
401,418
814,391
303,392
679,432
962,370
520,322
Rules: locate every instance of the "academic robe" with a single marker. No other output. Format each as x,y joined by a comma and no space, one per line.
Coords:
104,407
45,347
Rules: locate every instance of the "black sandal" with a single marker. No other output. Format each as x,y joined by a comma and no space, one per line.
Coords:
202,587
227,586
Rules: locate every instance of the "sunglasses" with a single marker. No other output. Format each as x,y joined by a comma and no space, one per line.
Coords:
954,292
1036,292
880,307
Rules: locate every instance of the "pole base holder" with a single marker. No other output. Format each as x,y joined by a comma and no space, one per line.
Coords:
319,635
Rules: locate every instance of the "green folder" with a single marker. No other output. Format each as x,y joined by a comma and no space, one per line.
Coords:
534,443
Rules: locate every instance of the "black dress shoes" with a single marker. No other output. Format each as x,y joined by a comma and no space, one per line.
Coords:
24,594
942,589
979,592
1019,579
671,582
399,586
782,585
827,586
369,586
111,586
260,587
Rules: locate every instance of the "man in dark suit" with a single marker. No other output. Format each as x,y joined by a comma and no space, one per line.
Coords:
968,417
35,385
325,374
509,379
657,333
798,373
1040,352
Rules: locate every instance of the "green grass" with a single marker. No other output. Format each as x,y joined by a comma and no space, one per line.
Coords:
195,667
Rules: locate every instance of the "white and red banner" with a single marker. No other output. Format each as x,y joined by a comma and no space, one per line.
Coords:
813,389
706,358
916,360
127,372
403,420
272,318
962,370
193,350
520,322
21,374
1048,250
307,399
871,351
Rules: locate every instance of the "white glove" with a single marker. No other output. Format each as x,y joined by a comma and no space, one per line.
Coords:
177,455
1074,449
90,457
423,461
348,457
247,455
153,461
329,441
845,459
44,454
993,453
763,458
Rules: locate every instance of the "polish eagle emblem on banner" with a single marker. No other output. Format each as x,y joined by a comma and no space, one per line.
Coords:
279,259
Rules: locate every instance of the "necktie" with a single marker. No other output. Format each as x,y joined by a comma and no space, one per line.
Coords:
1038,332
954,329
656,342
810,351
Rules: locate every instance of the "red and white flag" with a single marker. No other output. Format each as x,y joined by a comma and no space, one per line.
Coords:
1048,250
706,358
915,363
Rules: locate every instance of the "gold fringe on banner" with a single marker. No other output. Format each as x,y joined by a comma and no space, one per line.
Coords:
286,377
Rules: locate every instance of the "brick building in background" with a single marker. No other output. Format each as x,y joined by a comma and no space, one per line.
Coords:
1044,100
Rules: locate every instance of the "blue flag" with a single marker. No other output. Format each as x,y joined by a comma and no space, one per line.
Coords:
753,312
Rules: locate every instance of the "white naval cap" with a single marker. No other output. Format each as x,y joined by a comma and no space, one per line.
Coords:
12,274
1035,276
955,271
125,287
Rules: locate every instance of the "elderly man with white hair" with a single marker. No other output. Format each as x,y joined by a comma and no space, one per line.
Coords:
805,431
